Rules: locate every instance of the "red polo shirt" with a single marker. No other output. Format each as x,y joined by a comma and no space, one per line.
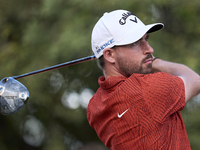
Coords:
140,112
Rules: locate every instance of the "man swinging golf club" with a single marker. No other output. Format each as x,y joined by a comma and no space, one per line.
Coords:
140,97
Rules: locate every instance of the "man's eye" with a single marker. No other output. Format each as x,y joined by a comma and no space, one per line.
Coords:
147,38
135,43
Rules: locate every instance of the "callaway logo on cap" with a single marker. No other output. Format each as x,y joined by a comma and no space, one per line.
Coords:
119,27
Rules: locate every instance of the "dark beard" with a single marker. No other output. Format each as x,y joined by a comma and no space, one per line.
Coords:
128,71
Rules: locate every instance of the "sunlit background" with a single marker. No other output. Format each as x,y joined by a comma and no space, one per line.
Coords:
36,34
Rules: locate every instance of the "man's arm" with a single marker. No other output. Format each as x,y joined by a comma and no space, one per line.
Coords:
190,78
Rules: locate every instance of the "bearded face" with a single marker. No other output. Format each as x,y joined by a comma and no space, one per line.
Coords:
128,67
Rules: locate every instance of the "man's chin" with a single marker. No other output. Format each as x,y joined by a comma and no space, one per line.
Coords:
147,70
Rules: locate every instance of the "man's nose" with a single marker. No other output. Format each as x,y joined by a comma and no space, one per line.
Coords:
147,49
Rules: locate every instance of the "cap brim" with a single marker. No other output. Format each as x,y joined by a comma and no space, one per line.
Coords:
155,27
139,33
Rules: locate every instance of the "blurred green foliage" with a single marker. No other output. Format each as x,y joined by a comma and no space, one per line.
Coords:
36,34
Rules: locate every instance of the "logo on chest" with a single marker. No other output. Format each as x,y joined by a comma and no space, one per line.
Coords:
120,115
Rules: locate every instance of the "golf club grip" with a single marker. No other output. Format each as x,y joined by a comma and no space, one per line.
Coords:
73,62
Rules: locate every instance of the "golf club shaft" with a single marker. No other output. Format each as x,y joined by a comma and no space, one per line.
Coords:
88,58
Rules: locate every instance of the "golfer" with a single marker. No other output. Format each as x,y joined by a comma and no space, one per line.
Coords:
138,104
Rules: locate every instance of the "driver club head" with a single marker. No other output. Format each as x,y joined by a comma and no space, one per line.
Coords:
13,96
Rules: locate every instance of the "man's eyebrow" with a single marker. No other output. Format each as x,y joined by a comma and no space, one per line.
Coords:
147,36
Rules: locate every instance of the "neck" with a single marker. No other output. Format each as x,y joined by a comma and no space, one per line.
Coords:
111,71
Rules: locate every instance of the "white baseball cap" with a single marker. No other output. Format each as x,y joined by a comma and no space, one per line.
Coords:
119,27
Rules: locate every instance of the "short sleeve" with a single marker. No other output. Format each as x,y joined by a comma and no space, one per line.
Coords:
162,93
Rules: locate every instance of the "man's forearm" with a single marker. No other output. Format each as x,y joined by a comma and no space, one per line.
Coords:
170,67
190,78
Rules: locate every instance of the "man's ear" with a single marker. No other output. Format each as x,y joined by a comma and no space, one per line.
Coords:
108,54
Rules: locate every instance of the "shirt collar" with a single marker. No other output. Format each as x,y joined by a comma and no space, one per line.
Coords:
110,82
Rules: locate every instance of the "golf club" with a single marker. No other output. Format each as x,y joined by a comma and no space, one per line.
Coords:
14,95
